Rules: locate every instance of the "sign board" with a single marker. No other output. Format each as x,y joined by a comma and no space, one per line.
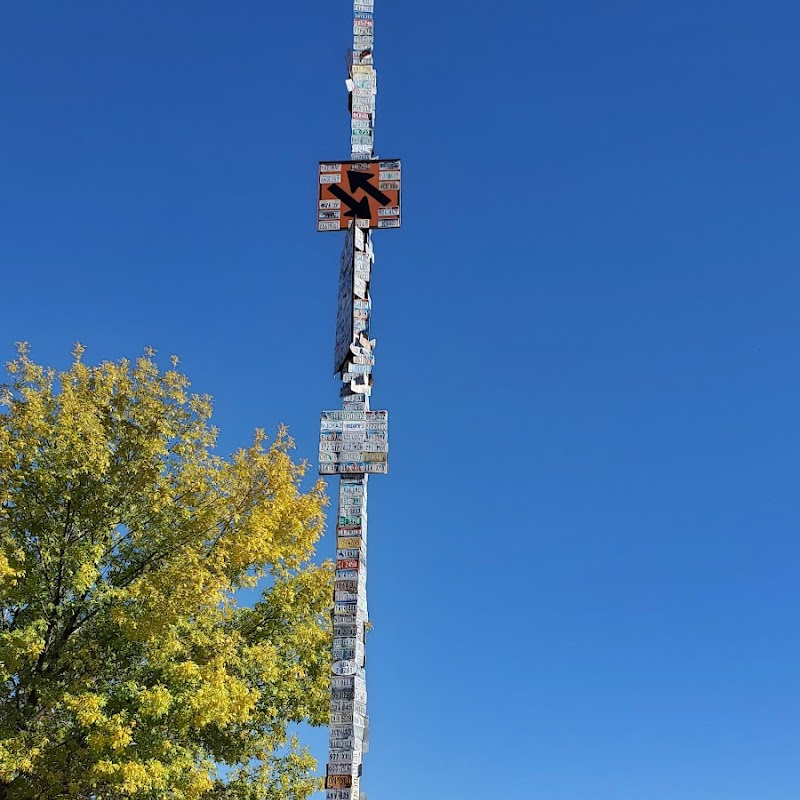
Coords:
365,449
368,191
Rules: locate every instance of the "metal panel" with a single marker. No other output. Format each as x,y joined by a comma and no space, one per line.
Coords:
344,311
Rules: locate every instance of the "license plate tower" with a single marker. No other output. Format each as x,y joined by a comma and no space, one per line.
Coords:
355,196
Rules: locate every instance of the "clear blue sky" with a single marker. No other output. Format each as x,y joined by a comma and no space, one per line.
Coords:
584,563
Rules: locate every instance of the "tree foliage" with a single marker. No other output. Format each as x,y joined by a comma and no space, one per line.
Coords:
128,669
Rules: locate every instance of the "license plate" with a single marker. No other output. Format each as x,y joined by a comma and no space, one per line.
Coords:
348,542
350,695
343,744
349,654
342,794
345,757
344,619
343,716
349,707
352,447
345,732
343,554
350,511
338,781
342,768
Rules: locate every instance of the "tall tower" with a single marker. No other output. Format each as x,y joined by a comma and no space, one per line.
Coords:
357,197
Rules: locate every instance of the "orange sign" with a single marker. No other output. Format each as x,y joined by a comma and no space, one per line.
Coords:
365,191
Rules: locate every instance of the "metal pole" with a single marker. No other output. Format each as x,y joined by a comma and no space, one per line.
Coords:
355,196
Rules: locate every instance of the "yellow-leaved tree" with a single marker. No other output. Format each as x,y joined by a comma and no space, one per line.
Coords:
128,669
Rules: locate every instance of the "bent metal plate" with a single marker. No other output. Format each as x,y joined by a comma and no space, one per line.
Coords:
363,192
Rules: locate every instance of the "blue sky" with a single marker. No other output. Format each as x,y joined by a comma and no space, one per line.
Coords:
584,563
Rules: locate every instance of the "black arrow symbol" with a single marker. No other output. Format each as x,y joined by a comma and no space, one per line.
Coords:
360,180
358,208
